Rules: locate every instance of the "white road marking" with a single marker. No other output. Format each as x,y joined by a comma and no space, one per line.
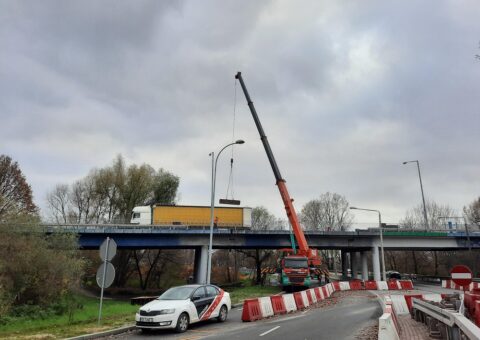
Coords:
286,319
271,330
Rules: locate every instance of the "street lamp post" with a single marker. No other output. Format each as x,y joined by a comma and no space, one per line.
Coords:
384,275
212,204
421,188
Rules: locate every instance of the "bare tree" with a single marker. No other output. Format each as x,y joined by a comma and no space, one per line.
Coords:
329,212
415,219
15,193
261,220
59,203
472,212
436,214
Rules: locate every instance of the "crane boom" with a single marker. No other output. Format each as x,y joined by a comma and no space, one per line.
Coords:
281,183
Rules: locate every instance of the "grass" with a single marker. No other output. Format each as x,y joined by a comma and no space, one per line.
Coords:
239,294
114,314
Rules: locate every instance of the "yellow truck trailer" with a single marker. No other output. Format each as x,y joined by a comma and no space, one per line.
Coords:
190,215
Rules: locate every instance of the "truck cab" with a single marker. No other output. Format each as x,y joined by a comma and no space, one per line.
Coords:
141,215
295,271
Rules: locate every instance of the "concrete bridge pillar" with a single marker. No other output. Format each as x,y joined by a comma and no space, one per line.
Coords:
353,264
376,263
344,264
364,265
200,264
358,264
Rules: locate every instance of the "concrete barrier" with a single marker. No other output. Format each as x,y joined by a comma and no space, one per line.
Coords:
386,328
399,304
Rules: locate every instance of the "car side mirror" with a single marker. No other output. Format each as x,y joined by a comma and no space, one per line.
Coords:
195,298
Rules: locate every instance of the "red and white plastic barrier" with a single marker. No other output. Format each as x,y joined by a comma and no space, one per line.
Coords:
278,304
289,301
306,303
264,307
382,285
452,285
313,296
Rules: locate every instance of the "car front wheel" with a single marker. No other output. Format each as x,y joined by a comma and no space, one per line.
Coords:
222,315
182,323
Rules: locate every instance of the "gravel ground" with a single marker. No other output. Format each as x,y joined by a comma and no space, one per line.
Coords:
368,333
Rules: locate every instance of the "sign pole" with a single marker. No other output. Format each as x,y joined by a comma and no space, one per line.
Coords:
103,281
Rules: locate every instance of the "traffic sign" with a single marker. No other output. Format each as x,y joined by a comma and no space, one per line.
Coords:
461,275
109,274
108,254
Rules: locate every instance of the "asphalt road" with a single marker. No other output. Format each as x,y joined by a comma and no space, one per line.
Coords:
342,317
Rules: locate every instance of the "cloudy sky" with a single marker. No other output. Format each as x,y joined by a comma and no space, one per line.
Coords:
346,91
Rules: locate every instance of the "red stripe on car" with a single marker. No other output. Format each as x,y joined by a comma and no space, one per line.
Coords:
212,306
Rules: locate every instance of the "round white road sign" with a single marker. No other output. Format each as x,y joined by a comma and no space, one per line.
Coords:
109,274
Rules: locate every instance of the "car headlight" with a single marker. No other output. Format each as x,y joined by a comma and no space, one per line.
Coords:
166,311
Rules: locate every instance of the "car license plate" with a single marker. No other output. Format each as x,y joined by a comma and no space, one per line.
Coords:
142,319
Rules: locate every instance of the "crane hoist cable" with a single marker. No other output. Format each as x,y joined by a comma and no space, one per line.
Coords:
230,187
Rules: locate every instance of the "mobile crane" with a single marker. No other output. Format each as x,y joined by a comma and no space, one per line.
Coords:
297,267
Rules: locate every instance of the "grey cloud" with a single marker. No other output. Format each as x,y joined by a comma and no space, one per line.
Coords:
346,92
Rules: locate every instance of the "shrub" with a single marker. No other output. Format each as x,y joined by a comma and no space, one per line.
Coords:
36,270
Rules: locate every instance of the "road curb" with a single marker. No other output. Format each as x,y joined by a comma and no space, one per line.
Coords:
103,334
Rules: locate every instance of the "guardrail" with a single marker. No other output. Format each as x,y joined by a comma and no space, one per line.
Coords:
356,232
451,325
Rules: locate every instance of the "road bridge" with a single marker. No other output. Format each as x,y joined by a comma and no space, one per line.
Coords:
358,243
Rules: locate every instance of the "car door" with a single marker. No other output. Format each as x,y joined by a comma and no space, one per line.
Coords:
201,301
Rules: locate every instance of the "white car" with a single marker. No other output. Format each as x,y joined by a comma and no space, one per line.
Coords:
180,306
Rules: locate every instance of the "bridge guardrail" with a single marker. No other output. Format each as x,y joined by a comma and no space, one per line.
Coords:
454,321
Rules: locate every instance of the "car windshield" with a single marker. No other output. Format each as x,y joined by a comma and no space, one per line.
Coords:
296,263
177,293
